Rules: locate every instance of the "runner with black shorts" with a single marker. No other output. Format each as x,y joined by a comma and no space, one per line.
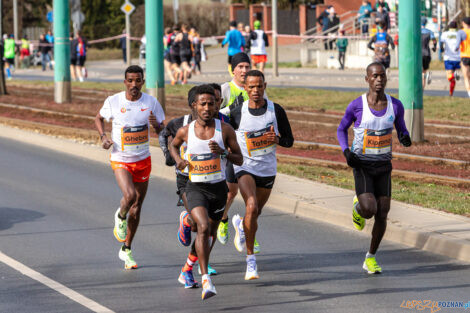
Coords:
465,52
260,126
175,59
208,141
374,115
379,44
426,37
186,52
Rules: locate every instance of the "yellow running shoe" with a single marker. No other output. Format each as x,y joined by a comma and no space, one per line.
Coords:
222,232
256,248
371,267
358,221
126,256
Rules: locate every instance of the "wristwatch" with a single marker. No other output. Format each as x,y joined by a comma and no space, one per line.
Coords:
225,153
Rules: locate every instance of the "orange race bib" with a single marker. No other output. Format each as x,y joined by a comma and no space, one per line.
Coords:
377,141
257,142
204,168
135,138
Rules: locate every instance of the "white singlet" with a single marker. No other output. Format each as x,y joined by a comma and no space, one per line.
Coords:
259,156
130,132
205,166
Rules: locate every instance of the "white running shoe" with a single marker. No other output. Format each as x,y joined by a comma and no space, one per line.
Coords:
239,240
251,270
126,256
208,289
428,77
120,227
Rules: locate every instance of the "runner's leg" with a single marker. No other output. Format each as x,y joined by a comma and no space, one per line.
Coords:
134,211
466,76
200,216
380,224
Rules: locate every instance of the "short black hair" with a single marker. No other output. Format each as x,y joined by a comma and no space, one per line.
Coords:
233,23
372,65
453,24
203,89
216,87
134,69
191,95
255,73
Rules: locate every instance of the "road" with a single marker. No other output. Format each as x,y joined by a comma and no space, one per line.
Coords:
56,218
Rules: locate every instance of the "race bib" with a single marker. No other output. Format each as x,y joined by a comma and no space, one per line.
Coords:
135,138
257,142
204,168
377,141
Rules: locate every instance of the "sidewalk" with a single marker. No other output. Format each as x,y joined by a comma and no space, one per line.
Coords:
414,226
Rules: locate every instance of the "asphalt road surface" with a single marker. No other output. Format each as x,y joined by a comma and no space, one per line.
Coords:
56,219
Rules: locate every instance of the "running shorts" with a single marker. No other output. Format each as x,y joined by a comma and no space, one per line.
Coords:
24,52
230,59
211,196
452,65
466,61
260,181
81,60
230,173
186,58
259,58
139,170
426,62
73,61
175,59
375,179
167,57
181,181
10,61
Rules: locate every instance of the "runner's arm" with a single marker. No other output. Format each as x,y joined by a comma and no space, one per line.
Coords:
346,121
175,145
400,126
266,41
371,41
99,123
235,155
286,139
390,41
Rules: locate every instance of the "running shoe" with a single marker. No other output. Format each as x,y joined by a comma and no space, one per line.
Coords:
358,221
222,232
370,265
457,76
126,256
251,270
187,279
184,232
239,239
208,289
256,248
428,78
120,227
210,270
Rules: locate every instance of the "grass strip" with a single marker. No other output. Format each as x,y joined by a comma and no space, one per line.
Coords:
434,196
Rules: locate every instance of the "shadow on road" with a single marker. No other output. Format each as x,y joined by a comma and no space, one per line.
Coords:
12,216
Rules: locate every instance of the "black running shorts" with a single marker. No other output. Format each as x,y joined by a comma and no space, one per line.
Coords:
211,196
175,59
186,57
374,179
260,181
426,62
181,181
230,173
466,61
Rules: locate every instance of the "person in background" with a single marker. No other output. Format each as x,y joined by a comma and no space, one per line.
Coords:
82,46
364,16
381,16
246,35
426,37
45,48
329,20
9,55
50,39
197,52
341,44
383,4
73,57
379,44
258,43
465,52
24,52
123,44
449,44
235,41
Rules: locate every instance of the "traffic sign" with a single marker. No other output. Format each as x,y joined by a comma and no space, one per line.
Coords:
127,8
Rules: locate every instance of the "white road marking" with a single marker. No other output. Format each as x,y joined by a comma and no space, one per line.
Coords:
69,293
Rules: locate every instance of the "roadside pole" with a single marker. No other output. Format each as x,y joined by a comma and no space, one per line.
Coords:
15,28
62,86
154,50
274,21
410,67
128,8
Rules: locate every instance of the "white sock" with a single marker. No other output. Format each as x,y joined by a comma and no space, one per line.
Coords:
206,276
250,257
369,255
468,93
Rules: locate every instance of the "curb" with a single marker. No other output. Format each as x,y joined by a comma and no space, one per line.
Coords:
423,239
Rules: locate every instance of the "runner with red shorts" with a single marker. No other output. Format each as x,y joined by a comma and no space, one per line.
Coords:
131,112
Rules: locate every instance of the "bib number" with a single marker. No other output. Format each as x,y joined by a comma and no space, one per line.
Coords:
257,143
204,168
377,141
135,138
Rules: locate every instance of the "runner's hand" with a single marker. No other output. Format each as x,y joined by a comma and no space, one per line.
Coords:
352,158
153,120
271,135
106,142
182,164
215,148
405,140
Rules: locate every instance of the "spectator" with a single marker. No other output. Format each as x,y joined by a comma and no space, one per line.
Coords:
329,21
383,4
364,16
50,39
45,48
342,44
24,51
235,41
382,17
123,44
